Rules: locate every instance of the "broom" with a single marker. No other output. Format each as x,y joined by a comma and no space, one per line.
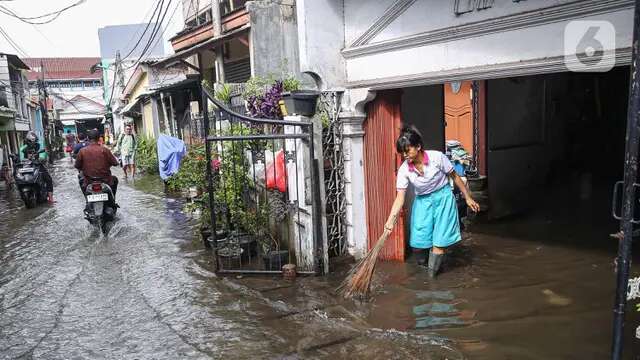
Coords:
358,281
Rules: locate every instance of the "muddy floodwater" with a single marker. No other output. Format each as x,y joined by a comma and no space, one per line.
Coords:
526,288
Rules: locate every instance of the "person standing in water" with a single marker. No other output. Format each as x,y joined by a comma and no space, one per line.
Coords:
434,215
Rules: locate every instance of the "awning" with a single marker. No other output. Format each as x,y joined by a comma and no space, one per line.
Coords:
175,85
68,122
130,106
211,43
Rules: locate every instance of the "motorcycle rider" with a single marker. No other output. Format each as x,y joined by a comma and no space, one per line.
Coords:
95,161
31,151
84,142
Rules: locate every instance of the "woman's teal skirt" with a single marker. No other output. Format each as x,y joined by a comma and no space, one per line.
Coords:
434,220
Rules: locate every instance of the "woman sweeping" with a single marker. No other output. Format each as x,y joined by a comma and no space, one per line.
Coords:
434,215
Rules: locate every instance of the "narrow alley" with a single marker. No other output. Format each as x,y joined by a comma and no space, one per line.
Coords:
147,291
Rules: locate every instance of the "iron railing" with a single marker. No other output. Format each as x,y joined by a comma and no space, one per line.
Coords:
263,193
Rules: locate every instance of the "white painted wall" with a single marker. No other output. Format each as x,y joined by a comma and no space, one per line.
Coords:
513,46
321,37
506,33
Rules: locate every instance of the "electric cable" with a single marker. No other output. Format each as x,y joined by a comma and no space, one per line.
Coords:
154,33
158,6
29,19
13,44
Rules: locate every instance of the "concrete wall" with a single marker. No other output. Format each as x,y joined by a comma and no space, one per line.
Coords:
321,37
273,37
5,81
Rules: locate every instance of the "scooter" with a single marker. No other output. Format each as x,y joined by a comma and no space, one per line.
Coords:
100,206
29,180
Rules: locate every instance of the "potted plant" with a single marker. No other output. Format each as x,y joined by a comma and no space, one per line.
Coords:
300,102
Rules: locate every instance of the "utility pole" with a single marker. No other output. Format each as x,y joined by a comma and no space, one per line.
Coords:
43,98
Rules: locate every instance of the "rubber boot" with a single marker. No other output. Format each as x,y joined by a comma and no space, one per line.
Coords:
435,260
421,256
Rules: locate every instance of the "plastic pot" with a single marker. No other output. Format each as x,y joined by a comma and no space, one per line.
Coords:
299,102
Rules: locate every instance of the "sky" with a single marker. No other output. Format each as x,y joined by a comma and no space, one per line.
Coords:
75,32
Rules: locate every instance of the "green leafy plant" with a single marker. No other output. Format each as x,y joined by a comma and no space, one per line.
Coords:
147,155
193,171
291,83
224,93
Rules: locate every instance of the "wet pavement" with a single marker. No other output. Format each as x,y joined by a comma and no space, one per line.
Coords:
147,291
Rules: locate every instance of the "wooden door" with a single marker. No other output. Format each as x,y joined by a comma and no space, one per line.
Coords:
458,114
382,128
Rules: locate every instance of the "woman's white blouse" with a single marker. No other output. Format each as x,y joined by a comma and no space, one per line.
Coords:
436,168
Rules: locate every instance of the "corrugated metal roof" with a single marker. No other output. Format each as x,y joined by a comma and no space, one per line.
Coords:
63,68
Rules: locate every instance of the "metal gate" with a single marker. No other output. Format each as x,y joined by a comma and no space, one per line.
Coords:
334,180
263,192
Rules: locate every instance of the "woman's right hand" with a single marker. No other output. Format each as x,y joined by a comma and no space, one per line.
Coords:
391,222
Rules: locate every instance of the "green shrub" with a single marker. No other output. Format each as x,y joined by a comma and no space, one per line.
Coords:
147,155
193,171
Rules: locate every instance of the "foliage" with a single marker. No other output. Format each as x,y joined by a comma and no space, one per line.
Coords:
193,171
266,106
224,93
256,86
262,95
207,84
147,155
291,83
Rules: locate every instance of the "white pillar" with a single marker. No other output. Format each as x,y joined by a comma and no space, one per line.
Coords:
356,211
299,188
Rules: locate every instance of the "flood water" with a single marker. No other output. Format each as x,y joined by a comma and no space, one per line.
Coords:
527,288
147,291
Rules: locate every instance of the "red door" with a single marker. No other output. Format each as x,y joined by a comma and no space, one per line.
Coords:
382,128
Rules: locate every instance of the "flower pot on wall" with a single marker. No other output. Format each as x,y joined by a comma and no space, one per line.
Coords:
299,102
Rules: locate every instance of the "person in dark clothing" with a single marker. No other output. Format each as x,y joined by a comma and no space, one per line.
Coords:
31,151
95,161
84,141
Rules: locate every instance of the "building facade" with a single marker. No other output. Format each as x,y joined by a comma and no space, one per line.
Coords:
75,88
423,62
15,117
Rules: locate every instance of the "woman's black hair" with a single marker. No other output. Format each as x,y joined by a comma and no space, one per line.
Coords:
409,136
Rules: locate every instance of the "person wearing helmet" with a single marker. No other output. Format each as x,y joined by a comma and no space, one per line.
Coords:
31,151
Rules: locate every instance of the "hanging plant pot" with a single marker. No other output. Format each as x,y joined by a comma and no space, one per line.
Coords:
299,102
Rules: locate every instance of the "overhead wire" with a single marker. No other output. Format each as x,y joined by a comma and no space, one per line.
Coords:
133,36
13,44
154,33
156,10
30,19
61,97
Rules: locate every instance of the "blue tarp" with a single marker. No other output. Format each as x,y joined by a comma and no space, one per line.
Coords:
170,152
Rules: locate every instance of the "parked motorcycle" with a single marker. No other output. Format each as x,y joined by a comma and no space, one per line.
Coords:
100,203
29,180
